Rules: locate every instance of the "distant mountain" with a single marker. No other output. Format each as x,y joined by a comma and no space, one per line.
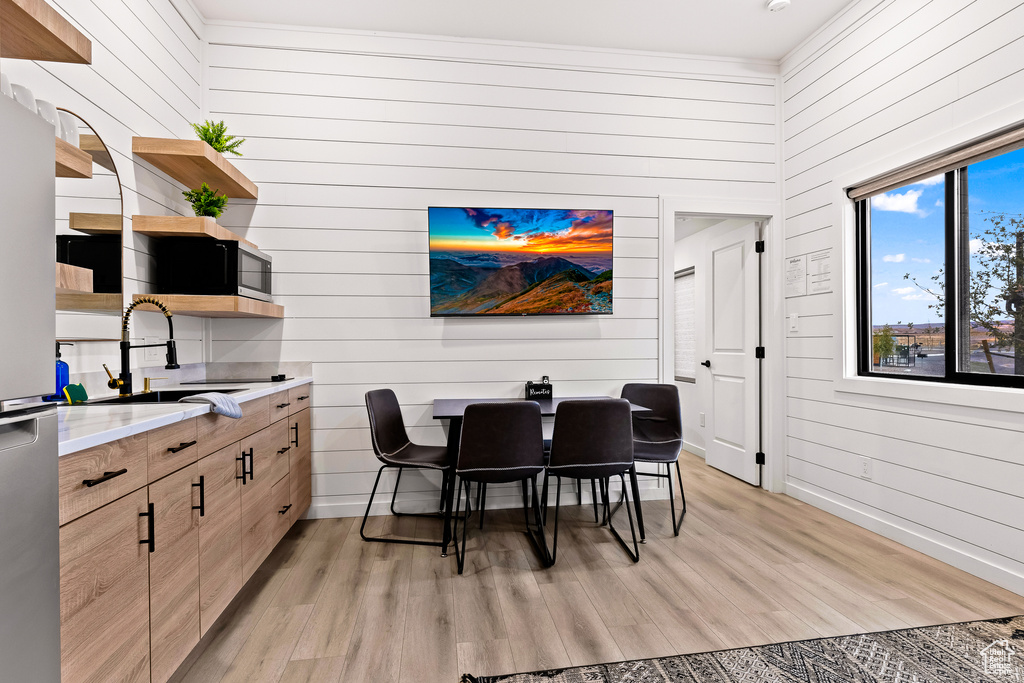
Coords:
449,278
545,285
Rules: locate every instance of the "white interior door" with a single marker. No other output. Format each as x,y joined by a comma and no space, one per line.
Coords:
729,379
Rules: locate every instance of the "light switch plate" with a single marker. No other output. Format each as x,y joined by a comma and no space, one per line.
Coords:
154,352
794,322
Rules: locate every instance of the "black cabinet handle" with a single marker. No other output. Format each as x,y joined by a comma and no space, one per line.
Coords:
284,450
295,441
202,496
302,398
182,446
107,476
243,469
151,541
283,405
252,465
706,364
284,509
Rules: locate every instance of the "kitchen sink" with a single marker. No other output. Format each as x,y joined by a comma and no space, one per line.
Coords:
156,396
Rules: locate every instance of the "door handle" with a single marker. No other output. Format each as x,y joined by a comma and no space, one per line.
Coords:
151,541
107,476
295,441
706,364
181,446
243,469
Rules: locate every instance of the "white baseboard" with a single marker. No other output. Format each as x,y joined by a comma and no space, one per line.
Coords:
979,567
695,449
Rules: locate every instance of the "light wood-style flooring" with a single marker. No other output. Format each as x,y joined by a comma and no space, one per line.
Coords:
748,568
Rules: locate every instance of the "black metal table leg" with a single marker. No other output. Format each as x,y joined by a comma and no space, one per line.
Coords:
454,432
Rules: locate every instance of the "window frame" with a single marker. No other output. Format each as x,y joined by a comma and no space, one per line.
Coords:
951,319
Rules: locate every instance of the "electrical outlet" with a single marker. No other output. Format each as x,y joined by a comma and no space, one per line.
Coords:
152,353
794,322
866,467
702,419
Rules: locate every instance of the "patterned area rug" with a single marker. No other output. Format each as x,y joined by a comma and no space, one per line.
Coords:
973,652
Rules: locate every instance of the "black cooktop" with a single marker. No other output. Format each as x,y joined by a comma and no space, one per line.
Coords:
239,381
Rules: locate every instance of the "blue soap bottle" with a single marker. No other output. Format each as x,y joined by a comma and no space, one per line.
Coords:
63,376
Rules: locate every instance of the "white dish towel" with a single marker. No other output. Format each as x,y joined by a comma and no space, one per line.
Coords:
222,403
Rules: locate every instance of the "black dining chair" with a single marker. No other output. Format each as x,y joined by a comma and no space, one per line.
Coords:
501,443
593,439
658,438
393,448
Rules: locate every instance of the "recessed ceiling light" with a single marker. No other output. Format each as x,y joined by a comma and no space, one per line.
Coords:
776,5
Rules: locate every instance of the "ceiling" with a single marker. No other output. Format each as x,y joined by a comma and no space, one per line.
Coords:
724,28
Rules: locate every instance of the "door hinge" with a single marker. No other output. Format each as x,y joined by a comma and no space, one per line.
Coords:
759,246
759,458
759,352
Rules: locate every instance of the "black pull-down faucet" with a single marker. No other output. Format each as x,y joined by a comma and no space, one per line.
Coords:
123,382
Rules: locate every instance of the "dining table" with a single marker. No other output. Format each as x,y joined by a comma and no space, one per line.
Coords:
453,409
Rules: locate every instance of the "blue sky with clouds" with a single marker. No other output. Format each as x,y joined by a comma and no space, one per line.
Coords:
907,234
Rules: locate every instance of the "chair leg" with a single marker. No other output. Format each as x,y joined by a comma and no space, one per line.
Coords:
460,555
369,504
394,493
558,500
593,496
636,503
635,553
481,501
544,500
676,524
579,490
538,518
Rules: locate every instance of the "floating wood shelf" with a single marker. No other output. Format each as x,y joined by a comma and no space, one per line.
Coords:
72,162
192,163
95,223
214,306
73,279
184,226
94,147
31,29
92,303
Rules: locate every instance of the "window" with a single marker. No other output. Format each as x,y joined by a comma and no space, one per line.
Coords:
941,272
686,327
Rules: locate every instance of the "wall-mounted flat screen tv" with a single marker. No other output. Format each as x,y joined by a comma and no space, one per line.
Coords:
520,261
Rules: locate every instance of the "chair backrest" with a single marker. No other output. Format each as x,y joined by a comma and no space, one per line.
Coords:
592,438
501,442
663,423
387,429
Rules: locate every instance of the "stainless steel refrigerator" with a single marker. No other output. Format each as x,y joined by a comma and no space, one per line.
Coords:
29,558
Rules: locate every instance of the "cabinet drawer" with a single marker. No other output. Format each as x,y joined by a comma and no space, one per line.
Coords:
300,398
279,405
171,448
217,431
101,466
281,518
299,465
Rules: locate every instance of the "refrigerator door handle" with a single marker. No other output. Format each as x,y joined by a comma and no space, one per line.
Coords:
20,429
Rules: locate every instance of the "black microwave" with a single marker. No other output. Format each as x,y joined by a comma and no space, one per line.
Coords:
197,265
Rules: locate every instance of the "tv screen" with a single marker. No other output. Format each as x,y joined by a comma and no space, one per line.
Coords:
520,261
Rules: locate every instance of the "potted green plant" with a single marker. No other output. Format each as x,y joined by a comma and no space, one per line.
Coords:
216,135
206,202
883,344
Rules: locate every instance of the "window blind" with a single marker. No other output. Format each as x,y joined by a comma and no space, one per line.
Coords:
971,153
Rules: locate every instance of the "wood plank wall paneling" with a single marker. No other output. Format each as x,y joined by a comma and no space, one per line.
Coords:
352,136
145,79
890,76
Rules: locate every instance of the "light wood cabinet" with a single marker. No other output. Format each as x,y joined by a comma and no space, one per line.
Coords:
104,594
220,538
266,467
299,464
300,398
131,615
174,570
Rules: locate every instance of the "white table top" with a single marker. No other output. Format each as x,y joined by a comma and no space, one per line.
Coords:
84,426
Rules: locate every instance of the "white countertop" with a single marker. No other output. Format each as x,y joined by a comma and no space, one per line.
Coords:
84,426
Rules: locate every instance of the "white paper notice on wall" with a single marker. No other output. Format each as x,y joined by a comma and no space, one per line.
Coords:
796,276
819,271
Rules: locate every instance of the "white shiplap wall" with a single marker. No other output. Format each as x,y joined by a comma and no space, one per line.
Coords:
886,83
352,136
145,79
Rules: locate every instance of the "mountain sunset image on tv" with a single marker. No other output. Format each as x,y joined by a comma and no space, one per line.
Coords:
520,261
